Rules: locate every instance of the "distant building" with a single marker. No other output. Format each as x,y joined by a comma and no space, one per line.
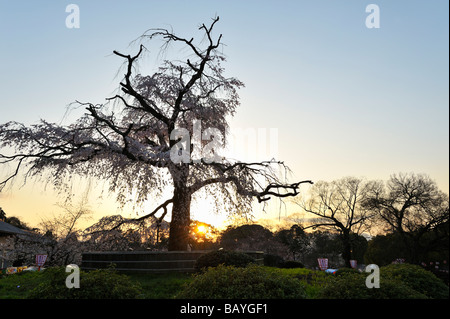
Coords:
7,234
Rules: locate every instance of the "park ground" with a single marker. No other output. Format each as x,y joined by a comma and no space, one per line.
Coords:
154,286
399,281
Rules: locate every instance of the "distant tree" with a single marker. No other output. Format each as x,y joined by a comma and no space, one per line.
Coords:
246,237
67,222
2,214
138,143
324,244
384,249
339,206
413,206
112,233
296,239
359,247
61,232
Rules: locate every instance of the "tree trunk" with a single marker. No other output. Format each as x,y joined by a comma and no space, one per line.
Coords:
181,214
347,252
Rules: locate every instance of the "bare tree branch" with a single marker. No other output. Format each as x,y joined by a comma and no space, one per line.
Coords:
129,144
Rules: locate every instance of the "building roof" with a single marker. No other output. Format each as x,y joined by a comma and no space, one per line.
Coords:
6,228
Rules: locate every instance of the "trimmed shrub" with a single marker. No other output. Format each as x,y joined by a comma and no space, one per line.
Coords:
350,285
417,278
52,285
291,264
252,282
222,257
272,260
96,284
344,271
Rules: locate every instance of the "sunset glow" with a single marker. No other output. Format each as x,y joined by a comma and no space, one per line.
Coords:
343,100
201,229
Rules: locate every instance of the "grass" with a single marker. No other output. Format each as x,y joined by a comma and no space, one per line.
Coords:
155,286
312,279
169,285
18,286
161,286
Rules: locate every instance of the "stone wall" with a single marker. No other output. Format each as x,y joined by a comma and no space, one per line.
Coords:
147,261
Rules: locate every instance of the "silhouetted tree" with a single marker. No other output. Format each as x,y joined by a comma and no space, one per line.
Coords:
413,206
2,214
338,206
296,239
246,237
137,141
324,244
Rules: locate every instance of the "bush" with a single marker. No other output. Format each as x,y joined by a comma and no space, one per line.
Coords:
96,284
52,284
344,271
227,258
397,281
272,260
252,282
313,280
350,285
17,286
291,264
417,278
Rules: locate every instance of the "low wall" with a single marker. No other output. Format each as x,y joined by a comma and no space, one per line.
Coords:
149,261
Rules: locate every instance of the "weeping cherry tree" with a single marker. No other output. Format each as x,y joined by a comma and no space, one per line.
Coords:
141,141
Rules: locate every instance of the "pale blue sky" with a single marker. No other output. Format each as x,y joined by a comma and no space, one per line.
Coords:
347,100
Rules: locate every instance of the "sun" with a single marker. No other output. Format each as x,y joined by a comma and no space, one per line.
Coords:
201,229
203,232
202,209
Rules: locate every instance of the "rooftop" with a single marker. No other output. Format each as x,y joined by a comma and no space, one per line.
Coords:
6,228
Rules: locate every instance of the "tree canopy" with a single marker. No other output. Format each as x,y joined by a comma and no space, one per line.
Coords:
149,137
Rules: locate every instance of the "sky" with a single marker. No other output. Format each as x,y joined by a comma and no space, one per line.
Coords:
343,99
